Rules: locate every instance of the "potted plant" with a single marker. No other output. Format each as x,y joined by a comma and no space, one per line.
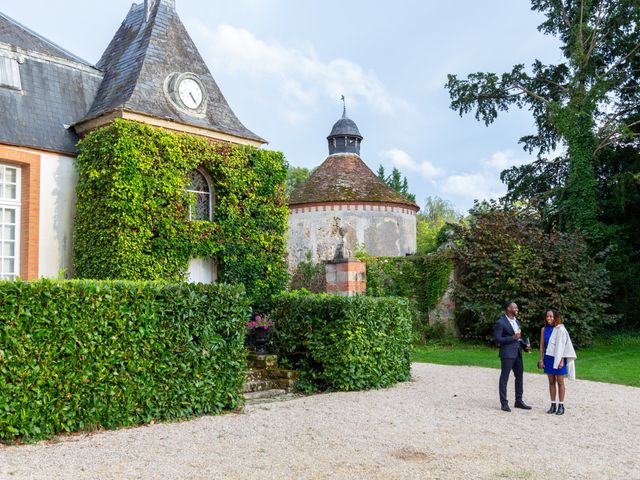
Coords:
260,329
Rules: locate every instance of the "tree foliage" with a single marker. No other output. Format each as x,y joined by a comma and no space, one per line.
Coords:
296,176
583,103
396,181
431,222
503,254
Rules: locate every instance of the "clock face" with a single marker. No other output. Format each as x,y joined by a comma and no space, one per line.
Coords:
190,93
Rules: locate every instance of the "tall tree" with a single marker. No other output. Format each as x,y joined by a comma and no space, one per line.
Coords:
397,182
296,176
436,215
584,103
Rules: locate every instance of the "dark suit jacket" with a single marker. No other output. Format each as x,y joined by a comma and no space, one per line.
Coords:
503,335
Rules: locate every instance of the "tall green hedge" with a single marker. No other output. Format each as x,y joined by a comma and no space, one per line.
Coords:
83,355
344,343
132,209
421,278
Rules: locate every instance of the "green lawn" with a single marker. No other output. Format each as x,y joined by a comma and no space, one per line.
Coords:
613,359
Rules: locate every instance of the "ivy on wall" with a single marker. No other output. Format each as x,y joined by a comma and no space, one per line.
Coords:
132,209
421,278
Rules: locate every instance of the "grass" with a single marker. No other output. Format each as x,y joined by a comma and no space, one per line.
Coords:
614,359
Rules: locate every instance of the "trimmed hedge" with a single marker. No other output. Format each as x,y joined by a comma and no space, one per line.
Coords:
344,343
85,355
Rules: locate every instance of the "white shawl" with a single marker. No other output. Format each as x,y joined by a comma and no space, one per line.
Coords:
560,347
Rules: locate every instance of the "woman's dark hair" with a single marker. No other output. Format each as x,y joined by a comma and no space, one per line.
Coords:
557,318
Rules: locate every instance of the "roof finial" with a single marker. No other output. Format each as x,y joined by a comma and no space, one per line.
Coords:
344,107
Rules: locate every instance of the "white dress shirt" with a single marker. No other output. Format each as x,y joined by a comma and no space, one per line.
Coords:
513,323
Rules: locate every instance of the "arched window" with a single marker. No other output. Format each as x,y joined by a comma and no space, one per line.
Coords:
200,188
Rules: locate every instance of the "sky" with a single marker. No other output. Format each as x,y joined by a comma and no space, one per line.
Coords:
283,65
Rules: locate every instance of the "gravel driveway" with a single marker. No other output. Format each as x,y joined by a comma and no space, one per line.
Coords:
445,424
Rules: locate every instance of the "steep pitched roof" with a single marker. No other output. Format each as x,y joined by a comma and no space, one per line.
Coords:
151,44
16,34
345,177
56,89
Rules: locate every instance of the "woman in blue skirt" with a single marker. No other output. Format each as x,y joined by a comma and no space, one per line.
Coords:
555,375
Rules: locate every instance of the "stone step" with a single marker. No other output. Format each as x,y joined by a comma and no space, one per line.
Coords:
260,385
262,361
281,373
264,394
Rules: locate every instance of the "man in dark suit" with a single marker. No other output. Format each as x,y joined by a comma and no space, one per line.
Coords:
507,335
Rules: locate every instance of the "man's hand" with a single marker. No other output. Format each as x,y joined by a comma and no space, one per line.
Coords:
517,336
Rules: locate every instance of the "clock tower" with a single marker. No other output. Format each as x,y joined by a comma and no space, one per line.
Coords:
154,74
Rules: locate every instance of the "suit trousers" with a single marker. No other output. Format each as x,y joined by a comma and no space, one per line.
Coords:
509,364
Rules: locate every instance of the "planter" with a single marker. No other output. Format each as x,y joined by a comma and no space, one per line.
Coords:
261,338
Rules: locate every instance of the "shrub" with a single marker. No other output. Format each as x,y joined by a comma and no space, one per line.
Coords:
131,222
344,343
423,279
83,355
503,254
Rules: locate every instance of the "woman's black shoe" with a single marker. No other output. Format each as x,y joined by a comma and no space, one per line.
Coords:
560,410
552,409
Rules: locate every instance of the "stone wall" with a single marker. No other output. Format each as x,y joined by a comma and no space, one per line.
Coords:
383,230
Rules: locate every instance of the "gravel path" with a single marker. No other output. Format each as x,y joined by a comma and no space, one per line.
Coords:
445,424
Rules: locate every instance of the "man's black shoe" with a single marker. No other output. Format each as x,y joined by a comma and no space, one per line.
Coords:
522,405
505,408
560,410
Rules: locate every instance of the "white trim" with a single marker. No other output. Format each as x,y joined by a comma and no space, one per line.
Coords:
15,205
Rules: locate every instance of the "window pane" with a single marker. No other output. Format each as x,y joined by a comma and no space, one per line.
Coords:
9,249
198,182
11,175
1,174
10,192
202,209
10,216
7,266
9,232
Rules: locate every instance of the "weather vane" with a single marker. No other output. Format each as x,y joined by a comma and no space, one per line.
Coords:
344,105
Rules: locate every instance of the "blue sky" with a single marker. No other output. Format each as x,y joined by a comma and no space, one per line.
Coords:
283,64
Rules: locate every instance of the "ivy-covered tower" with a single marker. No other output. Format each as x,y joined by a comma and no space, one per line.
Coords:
344,206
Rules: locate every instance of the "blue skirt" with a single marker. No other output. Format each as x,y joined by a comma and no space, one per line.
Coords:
548,366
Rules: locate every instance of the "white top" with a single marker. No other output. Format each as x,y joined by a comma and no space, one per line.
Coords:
560,347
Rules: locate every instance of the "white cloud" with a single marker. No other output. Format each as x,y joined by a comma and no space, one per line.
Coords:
404,161
476,186
303,78
503,159
485,183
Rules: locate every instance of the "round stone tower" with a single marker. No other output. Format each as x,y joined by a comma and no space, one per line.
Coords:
344,206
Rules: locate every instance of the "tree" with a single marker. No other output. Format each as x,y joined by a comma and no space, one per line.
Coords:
503,254
397,182
296,177
432,220
583,103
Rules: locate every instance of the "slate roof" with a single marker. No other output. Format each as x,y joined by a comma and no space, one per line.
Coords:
345,127
14,33
345,177
149,46
57,89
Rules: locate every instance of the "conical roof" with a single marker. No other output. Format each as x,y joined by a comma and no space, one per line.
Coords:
345,127
150,47
344,177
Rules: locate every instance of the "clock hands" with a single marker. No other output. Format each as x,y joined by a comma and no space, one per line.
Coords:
193,98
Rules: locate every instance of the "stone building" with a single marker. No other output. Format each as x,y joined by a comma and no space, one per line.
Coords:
151,72
344,206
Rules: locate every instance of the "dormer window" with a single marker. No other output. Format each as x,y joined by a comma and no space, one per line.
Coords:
199,187
10,73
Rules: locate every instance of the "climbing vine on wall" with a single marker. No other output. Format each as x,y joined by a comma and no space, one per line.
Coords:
132,209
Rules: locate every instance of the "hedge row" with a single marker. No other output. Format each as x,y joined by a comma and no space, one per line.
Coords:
84,355
344,343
